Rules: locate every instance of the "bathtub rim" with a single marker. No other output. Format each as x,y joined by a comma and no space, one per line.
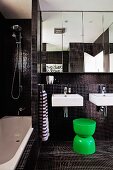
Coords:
12,163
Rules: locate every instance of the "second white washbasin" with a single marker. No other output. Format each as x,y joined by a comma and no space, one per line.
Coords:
68,100
100,99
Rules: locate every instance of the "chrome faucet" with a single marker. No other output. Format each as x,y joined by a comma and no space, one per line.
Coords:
20,110
65,91
103,90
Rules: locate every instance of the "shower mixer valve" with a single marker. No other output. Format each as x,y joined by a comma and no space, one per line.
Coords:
20,110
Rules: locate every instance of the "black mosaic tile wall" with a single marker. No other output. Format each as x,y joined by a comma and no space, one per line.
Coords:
54,57
61,127
76,55
2,61
79,78
9,52
36,38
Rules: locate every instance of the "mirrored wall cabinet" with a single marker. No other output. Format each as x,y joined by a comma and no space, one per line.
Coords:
77,42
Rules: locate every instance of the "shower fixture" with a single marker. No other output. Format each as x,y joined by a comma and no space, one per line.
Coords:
20,110
17,33
16,28
18,69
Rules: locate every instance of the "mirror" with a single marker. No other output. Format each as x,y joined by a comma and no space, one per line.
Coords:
77,42
111,44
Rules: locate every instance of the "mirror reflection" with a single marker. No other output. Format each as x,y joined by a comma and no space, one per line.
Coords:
77,42
111,47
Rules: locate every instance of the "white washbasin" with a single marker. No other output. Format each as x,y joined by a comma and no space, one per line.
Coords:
100,99
60,100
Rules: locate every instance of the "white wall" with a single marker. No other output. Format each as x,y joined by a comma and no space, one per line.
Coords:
111,62
93,64
89,63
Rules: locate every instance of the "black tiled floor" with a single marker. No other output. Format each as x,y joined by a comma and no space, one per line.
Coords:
59,156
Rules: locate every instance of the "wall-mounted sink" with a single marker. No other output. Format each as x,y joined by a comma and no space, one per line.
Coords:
100,99
68,100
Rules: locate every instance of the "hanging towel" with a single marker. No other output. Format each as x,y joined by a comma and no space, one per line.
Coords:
43,116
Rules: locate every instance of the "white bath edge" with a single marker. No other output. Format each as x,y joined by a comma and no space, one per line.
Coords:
12,164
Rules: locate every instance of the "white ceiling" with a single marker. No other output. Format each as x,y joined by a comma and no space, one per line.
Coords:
16,9
23,8
77,5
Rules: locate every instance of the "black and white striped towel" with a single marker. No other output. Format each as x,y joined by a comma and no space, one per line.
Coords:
43,116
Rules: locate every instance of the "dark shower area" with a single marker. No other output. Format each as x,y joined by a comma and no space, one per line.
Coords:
8,53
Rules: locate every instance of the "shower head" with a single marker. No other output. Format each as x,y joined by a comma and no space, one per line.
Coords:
17,33
16,28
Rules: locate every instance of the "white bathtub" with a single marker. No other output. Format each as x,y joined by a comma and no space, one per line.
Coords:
14,135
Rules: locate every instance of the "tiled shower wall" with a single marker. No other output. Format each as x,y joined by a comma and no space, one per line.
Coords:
8,52
60,127
2,70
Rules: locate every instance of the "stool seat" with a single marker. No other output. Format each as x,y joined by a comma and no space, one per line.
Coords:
83,142
84,126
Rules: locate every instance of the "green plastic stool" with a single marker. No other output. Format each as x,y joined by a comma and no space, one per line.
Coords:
83,142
